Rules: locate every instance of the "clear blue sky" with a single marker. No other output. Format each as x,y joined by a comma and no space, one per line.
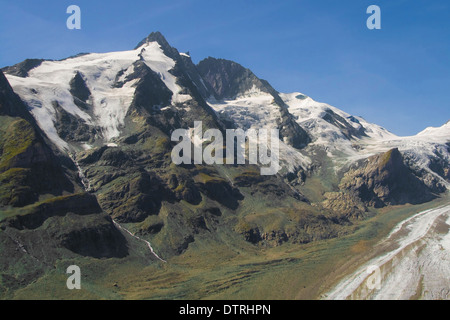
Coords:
398,77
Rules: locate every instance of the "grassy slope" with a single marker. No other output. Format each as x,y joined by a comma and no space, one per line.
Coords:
225,267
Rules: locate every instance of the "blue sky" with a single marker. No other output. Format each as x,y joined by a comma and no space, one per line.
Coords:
398,77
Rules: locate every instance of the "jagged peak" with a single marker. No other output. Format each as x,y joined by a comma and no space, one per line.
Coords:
155,36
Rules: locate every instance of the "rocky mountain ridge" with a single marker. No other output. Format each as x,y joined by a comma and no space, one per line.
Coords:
106,120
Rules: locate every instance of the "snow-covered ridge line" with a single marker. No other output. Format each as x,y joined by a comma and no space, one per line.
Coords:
50,82
315,118
345,138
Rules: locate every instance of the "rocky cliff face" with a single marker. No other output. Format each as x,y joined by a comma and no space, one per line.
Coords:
385,180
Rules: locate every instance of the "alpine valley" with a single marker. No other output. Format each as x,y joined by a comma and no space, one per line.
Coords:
87,179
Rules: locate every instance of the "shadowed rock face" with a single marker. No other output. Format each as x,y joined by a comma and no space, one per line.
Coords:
228,80
219,190
21,69
385,180
45,198
291,132
136,199
133,180
347,130
28,166
157,36
80,91
72,128
150,89
80,204
73,222
10,103
441,166
98,239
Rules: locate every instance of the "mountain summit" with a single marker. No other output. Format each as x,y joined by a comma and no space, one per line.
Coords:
161,40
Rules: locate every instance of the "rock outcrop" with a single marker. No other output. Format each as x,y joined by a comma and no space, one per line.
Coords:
383,180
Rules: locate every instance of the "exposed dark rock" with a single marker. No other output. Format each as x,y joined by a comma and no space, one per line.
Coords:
80,91
185,243
296,177
151,92
252,235
114,157
385,180
228,80
218,189
213,211
290,130
52,215
10,104
131,139
173,206
91,156
440,166
191,70
159,38
347,129
21,69
81,204
189,193
72,128
266,185
274,229
28,166
136,199
191,83
249,179
150,96
154,227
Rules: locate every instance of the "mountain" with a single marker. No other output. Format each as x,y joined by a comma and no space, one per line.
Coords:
26,158
86,155
45,213
230,81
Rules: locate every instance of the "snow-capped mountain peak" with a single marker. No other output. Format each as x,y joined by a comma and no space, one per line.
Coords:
49,84
91,94
437,132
